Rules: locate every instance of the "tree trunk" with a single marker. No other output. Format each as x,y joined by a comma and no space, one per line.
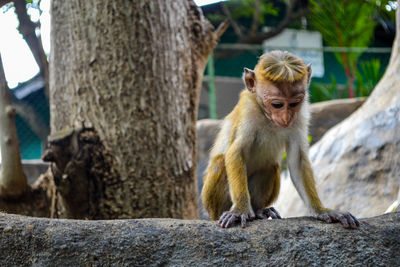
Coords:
12,177
124,87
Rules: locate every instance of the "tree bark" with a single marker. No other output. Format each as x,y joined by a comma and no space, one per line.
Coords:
12,178
124,88
303,241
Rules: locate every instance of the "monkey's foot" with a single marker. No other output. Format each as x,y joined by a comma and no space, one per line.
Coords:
228,218
345,218
268,213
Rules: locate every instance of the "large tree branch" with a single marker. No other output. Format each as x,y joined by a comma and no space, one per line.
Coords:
255,37
221,29
27,29
235,25
149,242
4,2
12,178
256,17
289,18
205,37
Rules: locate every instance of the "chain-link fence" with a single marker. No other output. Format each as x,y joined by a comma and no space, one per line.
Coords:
221,88
32,120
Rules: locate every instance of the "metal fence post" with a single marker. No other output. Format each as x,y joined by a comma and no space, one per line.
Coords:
212,98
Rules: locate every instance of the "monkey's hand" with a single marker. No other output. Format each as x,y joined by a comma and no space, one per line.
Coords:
228,218
268,213
345,218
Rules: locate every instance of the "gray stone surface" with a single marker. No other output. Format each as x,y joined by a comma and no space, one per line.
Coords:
33,168
326,114
26,241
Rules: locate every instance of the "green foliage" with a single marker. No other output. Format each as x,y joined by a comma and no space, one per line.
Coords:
215,18
244,9
344,23
367,76
323,92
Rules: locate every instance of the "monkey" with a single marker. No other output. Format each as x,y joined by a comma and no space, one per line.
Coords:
242,178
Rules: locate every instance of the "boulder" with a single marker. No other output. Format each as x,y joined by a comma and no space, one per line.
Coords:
27,241
326,114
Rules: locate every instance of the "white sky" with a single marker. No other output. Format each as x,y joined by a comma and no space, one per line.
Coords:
206,2
18,61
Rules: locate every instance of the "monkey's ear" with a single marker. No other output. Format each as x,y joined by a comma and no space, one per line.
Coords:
249,79
309,72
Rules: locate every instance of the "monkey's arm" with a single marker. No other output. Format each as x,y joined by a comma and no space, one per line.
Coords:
302,176
238,189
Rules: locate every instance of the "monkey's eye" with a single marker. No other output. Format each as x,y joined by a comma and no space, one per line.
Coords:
293,104
277,105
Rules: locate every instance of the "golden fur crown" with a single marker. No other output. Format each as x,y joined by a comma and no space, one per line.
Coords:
280,66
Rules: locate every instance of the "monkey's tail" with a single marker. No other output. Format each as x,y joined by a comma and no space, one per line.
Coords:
215,189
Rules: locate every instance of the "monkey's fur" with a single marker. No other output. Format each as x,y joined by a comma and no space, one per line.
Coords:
242,178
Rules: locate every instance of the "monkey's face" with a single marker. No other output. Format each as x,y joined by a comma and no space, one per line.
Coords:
280,102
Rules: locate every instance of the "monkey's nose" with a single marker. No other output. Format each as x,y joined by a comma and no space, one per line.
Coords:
286,122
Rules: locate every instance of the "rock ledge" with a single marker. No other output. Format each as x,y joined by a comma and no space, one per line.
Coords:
296,241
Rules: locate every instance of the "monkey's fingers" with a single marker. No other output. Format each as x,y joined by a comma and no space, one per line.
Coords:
224,223
347,220
260,215
227,219
231,220
222,217
352,221
343,220
243,220
274,214
355,220
325,217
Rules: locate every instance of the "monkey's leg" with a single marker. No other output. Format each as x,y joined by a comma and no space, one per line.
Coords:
215,192
264,189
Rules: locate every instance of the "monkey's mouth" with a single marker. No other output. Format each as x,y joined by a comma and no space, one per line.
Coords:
281,125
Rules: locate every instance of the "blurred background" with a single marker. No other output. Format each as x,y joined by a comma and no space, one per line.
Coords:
347,42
